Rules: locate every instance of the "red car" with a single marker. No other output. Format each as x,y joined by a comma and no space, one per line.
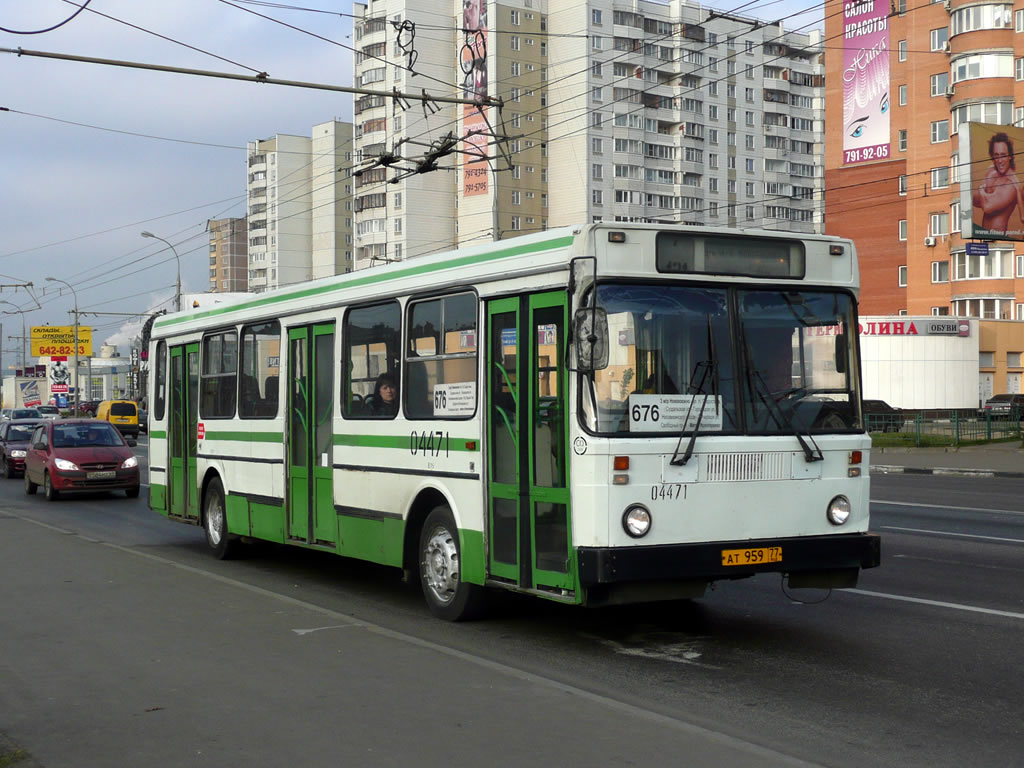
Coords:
14,437
80,455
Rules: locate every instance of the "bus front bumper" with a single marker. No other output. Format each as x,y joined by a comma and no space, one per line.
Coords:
811,556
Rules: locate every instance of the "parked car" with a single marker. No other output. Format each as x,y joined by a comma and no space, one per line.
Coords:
123,414
1003,406
143,420
80,455
48,411
14,437
882,417
25,413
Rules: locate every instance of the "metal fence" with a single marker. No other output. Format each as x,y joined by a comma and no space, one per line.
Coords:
943,428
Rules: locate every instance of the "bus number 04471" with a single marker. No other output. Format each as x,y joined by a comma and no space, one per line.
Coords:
428,443
668,491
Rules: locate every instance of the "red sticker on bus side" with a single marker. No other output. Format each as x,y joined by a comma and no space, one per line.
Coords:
200,431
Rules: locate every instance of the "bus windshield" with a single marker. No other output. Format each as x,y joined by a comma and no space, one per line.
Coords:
723,360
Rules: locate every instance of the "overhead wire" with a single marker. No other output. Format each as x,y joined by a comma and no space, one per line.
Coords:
47,29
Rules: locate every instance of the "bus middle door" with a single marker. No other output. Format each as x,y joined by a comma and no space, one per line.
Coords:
310,495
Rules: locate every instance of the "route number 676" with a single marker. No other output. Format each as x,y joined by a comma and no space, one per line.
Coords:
645,413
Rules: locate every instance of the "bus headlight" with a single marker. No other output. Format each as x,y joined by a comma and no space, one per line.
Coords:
838,510
636,521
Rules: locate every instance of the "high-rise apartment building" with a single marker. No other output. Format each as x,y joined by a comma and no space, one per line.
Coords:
299,200
900,86
631,111
229,255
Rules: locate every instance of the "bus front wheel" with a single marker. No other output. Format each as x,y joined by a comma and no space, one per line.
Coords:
448,596
215,522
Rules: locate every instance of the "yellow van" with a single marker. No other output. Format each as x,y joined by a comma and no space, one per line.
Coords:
123,414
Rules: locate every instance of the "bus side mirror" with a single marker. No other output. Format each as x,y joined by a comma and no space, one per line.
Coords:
591,333
841,353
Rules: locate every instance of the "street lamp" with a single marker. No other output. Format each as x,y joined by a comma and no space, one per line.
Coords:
177,295
23,338
77,383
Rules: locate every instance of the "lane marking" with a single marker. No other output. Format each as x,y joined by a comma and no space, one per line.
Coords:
944,506
936,603
949,533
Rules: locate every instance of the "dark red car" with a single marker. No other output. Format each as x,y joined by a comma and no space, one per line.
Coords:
14,437
80,455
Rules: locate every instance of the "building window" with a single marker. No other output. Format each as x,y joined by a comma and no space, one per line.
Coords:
595,69
903,229
903,96
595,43
940,39
1018,68
940,271
514,18
514,42
940,311
597,197
940,83
975,17
954,216
902,277
940,177
596,146
902,50
595,94
997,264
902,140
938,224
595,17
902,184
982,65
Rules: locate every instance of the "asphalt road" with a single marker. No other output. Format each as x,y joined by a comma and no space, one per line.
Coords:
123,643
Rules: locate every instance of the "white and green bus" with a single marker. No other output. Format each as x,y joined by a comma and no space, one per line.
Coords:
610,413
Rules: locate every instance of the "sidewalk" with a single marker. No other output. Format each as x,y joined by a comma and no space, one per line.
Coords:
989,460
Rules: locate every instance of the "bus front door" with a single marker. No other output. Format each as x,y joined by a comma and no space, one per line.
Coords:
311,516
529,540
182,426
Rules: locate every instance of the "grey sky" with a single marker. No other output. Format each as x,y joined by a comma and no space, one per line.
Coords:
74,199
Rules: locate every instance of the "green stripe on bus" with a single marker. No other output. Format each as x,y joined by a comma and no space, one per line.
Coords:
404,442
246,437
546,245
158,433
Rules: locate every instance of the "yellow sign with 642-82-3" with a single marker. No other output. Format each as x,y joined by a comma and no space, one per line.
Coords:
59,341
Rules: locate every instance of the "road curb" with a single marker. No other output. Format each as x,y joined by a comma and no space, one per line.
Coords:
885,469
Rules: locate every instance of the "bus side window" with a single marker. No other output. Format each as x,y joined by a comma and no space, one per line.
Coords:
260,361
371,348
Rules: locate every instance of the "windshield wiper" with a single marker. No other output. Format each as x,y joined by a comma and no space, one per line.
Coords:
757,386
781,421
709,366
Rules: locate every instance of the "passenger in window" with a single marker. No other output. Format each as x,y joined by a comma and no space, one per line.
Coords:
385,396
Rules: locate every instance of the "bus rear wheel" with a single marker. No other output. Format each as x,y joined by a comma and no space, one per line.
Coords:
447,595
215,522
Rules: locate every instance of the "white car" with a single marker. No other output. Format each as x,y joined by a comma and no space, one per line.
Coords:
48,411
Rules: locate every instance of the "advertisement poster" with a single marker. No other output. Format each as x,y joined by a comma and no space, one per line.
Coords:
60,377
30,393
473,62
866,133
990,185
